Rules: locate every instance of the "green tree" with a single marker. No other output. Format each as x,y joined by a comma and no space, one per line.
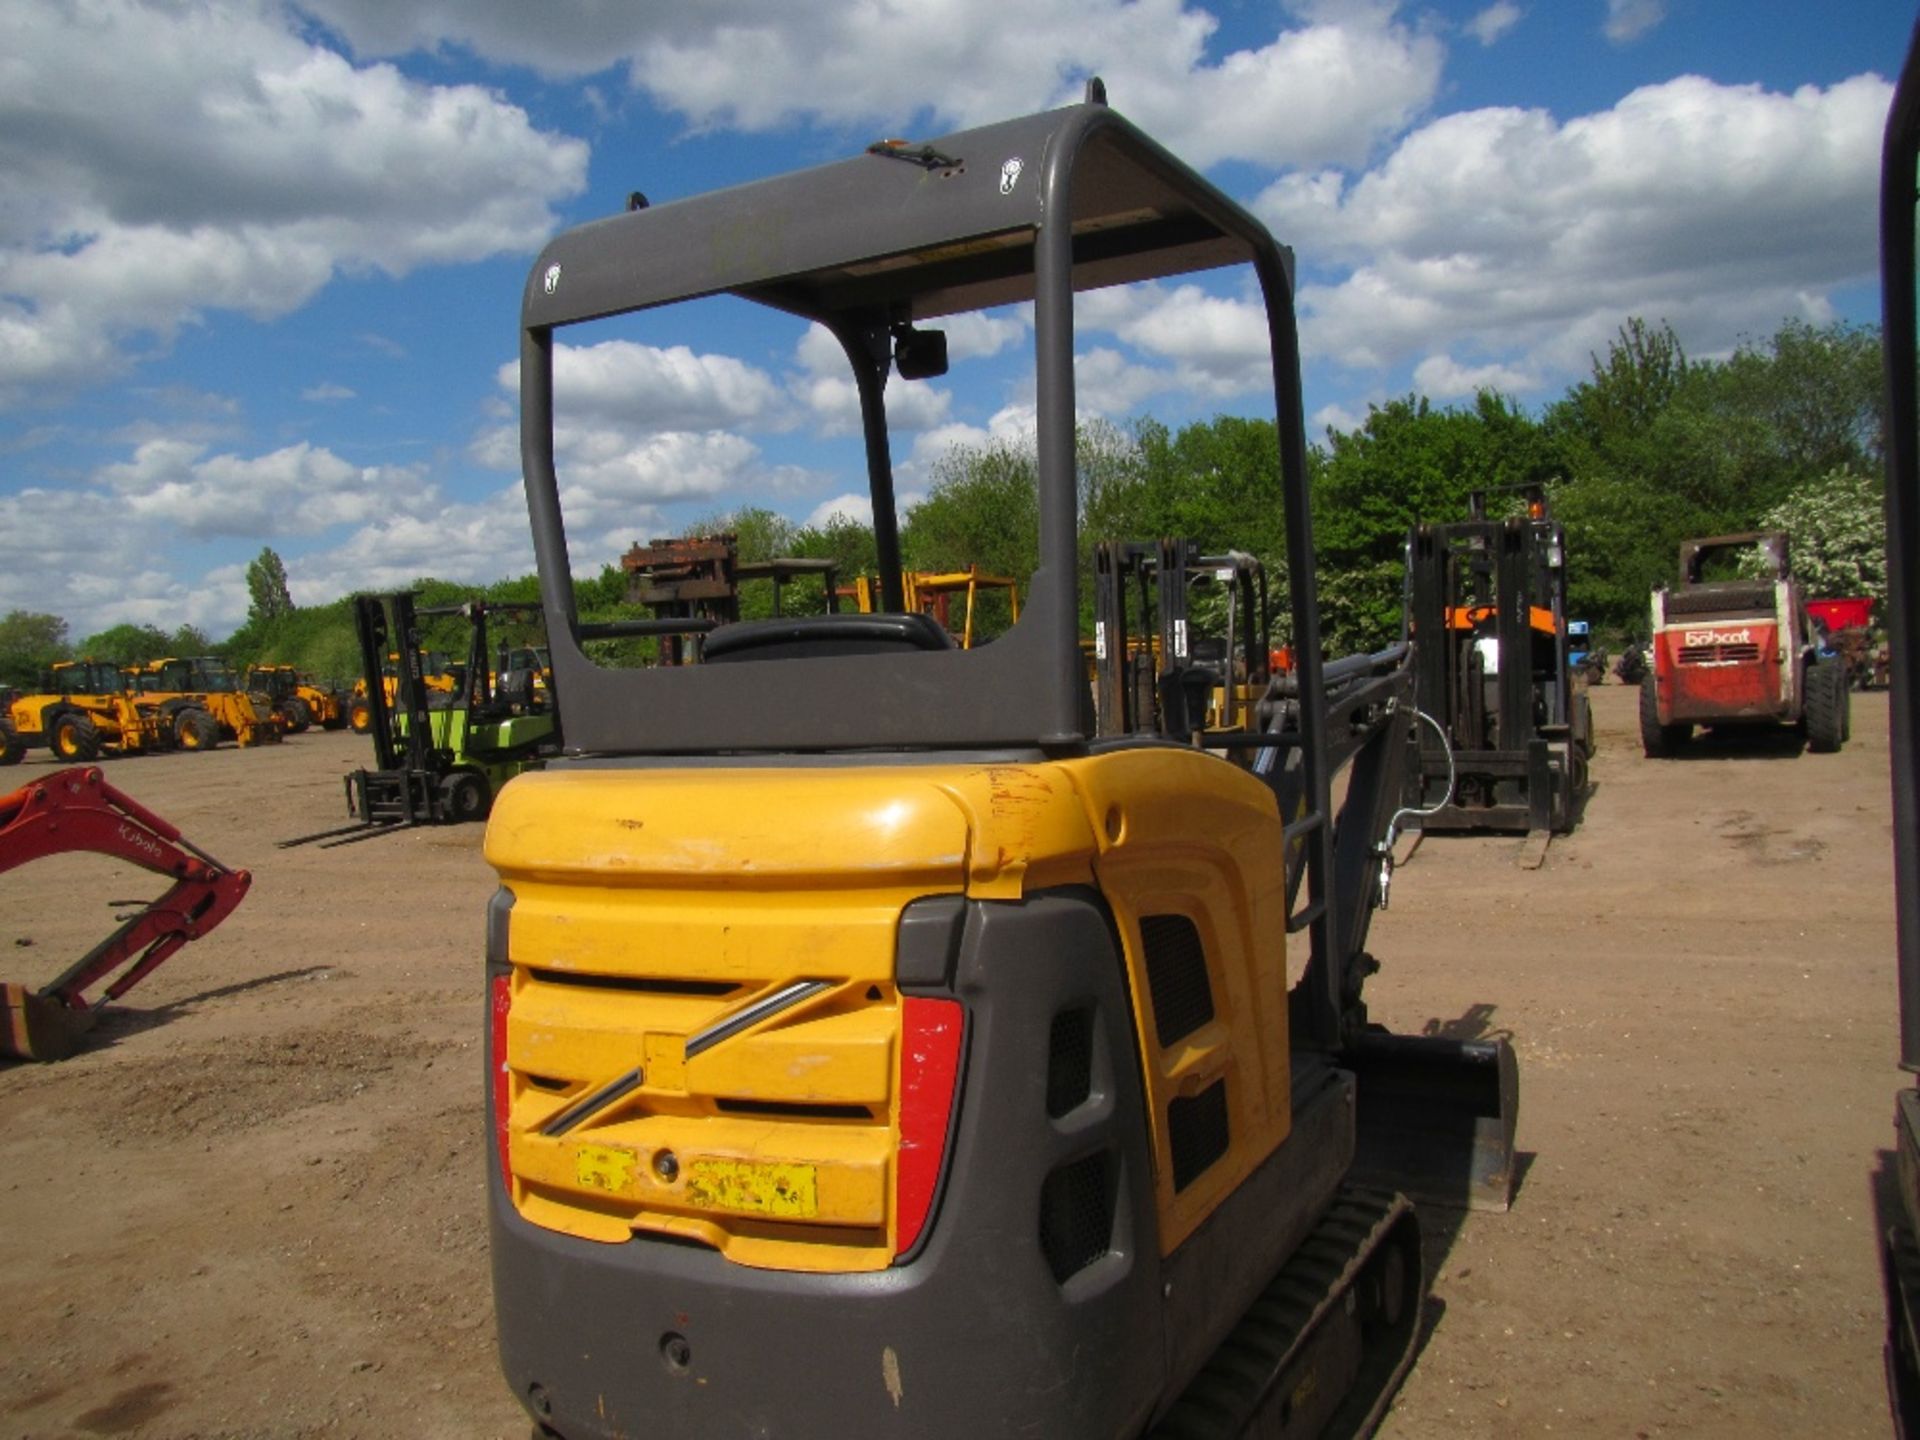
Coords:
1814,397
1409,464
29,642
1658,449
267,587
982,509
849,543
128,644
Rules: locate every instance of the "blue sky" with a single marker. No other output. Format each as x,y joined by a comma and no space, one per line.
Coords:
260,263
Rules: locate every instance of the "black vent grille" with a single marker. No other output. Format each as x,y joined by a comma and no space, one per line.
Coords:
1722,598
1197,1132
1176,976
1069,1061
1719,654
1076,1215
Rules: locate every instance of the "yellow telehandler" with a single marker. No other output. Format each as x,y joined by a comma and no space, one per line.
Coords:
81,714
301,703
203,685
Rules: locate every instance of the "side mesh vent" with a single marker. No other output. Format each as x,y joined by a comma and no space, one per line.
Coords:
1176,976
1069,1061
1076,1215
1197,1132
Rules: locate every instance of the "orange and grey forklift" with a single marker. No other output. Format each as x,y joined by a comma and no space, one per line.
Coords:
1512,730
930,1066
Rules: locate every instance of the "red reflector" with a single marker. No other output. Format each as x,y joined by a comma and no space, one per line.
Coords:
931,1032
500,1082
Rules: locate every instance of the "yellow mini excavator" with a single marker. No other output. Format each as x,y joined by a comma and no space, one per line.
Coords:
879,1045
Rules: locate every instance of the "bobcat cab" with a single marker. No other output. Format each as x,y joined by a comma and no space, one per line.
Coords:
927,1066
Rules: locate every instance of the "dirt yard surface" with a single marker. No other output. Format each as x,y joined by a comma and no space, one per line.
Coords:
253,1206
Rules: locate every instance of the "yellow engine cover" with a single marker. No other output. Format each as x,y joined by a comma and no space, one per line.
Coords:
655,908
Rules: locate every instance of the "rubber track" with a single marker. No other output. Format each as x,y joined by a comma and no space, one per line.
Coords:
1231,1388
1901,1258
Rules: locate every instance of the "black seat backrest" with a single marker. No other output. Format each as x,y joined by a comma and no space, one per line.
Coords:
515,688
801,637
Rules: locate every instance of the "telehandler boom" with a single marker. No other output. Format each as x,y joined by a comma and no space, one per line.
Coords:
875,1048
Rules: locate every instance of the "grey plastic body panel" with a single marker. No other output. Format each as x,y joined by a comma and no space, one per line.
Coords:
973,1336
975,1324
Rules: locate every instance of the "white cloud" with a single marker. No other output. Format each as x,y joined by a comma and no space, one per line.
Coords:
1334,417
637,427
980,334
138,542
856,508
1327,89
1217,344
645,388
1012,424
81,555
1494,21
1441,377
298,490
326,393
160,161
478,541
1630,19
1105,382
824,385
1720,208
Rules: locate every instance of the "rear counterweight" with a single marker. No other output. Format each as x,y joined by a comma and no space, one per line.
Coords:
1033,1307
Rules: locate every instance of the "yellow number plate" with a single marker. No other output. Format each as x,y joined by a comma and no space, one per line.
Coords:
755,1187
600,1168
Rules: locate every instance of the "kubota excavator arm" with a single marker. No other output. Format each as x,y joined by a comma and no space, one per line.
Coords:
78,810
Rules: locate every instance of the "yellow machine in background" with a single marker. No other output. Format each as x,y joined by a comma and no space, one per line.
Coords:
82,715
438,674
301,702
200,685
933,592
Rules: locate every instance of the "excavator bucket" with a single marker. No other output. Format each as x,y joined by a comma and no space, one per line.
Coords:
37,1028
1436,1117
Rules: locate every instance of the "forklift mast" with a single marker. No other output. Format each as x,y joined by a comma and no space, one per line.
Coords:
395,747
1485,605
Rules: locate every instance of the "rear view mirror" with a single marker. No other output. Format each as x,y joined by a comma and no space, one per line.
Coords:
919,354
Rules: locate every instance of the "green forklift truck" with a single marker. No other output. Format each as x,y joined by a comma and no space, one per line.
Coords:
441,758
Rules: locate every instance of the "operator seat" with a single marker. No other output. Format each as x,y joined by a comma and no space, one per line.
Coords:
803,637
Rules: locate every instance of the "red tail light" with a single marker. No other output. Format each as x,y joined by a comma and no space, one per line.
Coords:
500,1082
931,1032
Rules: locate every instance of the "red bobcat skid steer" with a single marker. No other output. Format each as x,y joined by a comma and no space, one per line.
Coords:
78,810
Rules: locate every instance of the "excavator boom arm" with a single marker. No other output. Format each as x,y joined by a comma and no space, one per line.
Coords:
77,810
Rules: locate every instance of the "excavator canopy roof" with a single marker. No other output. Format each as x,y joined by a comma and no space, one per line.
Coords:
1029,210
916,231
